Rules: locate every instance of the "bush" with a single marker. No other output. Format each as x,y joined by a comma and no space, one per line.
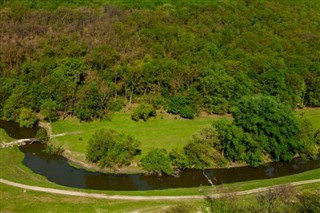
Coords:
53,149
187,112
116,105
180,105
157,161
176,103
27,118
109,148
42,135
144,112
309,202
179,159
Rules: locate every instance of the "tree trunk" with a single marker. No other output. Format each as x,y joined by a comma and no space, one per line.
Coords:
131,94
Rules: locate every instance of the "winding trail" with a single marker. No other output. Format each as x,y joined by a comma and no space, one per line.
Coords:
140,198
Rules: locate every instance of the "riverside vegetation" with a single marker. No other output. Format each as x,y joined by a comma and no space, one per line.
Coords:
89,60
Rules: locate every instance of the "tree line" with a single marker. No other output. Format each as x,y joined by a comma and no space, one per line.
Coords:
183,57
262,130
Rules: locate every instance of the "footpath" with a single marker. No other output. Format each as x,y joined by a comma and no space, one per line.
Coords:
140,198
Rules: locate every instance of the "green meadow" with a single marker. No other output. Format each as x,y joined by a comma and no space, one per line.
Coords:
165,131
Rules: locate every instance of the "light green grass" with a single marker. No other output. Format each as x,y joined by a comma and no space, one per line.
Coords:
313,115
165,133
4,137
16,200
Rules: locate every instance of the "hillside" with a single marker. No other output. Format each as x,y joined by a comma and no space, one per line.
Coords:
89,58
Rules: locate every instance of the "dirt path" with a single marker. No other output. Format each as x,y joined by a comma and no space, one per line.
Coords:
125,197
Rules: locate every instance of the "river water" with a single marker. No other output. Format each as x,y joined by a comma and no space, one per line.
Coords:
57,169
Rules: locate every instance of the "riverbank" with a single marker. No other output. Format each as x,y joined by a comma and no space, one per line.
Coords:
141,198
12,169
163,132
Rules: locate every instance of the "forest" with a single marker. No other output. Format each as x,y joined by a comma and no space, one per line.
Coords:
257,60
90,58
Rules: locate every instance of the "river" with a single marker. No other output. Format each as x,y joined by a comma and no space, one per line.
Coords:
57,169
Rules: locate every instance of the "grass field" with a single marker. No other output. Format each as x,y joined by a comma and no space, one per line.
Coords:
313,115
163,132
166,132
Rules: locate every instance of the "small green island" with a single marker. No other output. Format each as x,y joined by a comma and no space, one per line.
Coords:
157,90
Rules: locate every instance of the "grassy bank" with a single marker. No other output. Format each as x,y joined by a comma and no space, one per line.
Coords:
165,131
12,169
4,137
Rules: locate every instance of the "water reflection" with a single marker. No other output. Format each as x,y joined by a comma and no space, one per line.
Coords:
57,169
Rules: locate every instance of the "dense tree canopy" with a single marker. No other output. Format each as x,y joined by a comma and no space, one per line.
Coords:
186,55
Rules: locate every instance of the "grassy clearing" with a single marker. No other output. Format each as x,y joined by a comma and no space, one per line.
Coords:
313,115
163,132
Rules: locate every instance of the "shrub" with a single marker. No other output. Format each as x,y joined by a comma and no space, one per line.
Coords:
42,135
176,103
53,149
27,118
116,105
157,161
187,112
144,112
179,159
309,202
180,105
109,148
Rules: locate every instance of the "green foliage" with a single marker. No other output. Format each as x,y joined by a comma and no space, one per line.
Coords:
179,159
49,110
109,148
157,161
187,112
144,112
181,105
42,135
180,208
53,149
27,118
307,136
116,105
202,152
308,202
237,145
270,123
224,204
172,52
176,103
